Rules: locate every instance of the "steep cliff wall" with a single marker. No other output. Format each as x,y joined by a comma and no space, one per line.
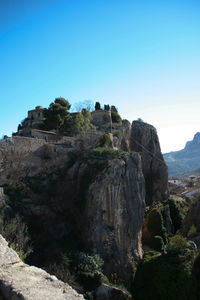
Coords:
144,139
105,199
114,214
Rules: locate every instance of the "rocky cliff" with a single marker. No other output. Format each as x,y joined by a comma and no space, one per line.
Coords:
94,198
114,214
144,140
80,200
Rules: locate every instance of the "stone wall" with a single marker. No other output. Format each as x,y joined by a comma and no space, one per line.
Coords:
101,118
36,114
48,136
26,156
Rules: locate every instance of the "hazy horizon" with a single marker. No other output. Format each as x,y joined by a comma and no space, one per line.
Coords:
141,56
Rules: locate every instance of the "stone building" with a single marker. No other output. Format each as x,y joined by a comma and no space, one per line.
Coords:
33,121
31,126
101,119
35,118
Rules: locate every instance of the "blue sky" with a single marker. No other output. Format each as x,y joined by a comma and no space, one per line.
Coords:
141,56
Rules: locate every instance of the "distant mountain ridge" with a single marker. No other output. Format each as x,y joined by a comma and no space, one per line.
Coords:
195,142
186,161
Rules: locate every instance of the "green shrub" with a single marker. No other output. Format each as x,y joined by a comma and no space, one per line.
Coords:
105,140
115,117
177,244
16,233
108,153
156,226
161,276
88,269
176,212
192,231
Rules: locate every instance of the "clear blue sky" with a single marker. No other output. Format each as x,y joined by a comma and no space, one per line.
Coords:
141,56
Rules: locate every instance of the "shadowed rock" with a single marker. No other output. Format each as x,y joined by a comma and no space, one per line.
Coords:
144,139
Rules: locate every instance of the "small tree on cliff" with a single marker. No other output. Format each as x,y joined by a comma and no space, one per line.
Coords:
115,115
82,122
57,115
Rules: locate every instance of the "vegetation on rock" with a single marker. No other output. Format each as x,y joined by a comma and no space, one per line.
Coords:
167,275
81,122
57,116
115,117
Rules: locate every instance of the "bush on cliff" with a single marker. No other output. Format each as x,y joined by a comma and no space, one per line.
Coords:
80,123
15,231
105,140
177,212
115,117
88,270
154,231
107,153
167,276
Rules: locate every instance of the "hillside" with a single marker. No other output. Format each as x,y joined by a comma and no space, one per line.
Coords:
184,162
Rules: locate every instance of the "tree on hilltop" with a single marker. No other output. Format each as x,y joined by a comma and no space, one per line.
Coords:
82,122
57,115
97,106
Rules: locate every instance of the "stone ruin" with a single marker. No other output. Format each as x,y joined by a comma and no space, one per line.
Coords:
31,125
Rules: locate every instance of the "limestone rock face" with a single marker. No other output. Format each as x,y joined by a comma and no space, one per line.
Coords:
20,281
144,139
114,214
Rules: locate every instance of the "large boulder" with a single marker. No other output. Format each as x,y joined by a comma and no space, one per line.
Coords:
144,139
20,281
106,292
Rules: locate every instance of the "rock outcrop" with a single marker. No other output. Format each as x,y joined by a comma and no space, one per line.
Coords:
71,194
99,200
144,139
20,281
105,292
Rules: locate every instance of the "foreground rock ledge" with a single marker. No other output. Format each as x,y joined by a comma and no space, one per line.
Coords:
20,281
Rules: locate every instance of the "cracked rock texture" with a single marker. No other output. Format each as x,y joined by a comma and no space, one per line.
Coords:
114,214
21,281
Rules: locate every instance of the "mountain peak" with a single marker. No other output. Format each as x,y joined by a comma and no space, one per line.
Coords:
194,142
